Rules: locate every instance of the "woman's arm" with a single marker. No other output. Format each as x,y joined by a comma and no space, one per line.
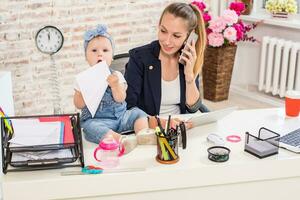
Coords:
78,100
134,78
192,92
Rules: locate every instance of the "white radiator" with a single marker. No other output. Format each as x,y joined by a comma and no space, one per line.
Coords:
279,66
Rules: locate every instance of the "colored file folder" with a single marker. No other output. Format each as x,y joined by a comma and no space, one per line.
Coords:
68,136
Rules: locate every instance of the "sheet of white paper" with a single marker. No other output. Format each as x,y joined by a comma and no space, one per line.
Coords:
53,154
29,132
92,83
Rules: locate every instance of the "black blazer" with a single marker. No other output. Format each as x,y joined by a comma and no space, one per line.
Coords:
143,76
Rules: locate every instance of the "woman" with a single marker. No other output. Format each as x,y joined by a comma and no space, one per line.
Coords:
157,82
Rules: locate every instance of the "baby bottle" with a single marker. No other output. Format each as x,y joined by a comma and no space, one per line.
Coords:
108,152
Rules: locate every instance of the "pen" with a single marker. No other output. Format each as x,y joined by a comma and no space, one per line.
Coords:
164,152
159,125
167,145
168,125
157,131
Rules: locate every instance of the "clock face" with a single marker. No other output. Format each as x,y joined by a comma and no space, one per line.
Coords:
49,40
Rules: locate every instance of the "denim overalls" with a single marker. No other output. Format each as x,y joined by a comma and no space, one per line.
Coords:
110,115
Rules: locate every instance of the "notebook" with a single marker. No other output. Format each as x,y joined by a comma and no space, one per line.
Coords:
291,141
210,117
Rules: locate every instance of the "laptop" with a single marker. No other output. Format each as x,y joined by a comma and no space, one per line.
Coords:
210,117
291,141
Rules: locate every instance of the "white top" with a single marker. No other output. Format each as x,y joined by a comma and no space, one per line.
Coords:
170,97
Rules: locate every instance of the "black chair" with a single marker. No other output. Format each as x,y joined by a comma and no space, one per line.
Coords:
119,62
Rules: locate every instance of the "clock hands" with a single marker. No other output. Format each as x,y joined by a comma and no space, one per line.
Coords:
48,36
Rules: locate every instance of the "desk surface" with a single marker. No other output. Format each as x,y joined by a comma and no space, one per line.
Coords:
194,170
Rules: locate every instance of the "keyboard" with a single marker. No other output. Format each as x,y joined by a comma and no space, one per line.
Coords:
292,138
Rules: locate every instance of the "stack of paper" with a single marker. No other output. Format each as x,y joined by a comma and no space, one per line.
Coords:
53,154
92,83
29,132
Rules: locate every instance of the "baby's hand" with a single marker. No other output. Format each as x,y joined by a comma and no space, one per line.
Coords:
113,80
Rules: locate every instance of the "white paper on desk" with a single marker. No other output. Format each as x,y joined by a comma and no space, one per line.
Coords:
92,83
28,132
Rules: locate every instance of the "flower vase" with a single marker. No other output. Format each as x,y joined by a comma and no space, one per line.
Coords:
283,15
217,72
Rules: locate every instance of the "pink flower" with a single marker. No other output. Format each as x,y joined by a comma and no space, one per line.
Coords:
206,17
215,39
242,25
230,17
200,4
226,30
239,31
238,7
217,25
230,34
208,31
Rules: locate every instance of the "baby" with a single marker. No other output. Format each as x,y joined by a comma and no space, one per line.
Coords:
112,116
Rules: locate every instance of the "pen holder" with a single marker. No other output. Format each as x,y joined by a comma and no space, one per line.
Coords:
167,149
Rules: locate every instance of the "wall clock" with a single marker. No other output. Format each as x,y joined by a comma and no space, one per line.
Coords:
49,40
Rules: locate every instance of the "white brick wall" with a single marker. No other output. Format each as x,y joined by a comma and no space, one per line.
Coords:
131,22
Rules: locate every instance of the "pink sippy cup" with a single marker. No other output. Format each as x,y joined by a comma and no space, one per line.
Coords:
108,152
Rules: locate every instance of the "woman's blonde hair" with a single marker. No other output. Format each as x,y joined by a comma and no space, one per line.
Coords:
195,21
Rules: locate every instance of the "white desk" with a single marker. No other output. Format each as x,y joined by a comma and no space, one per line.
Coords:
193,177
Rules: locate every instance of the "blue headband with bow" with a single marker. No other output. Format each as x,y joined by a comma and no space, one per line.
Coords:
100,30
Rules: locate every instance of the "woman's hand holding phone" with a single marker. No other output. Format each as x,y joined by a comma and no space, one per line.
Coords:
189,56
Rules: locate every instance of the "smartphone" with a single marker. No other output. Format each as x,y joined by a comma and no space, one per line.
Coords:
192,36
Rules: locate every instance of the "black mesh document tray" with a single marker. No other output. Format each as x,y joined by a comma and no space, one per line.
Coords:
66,153
266,144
